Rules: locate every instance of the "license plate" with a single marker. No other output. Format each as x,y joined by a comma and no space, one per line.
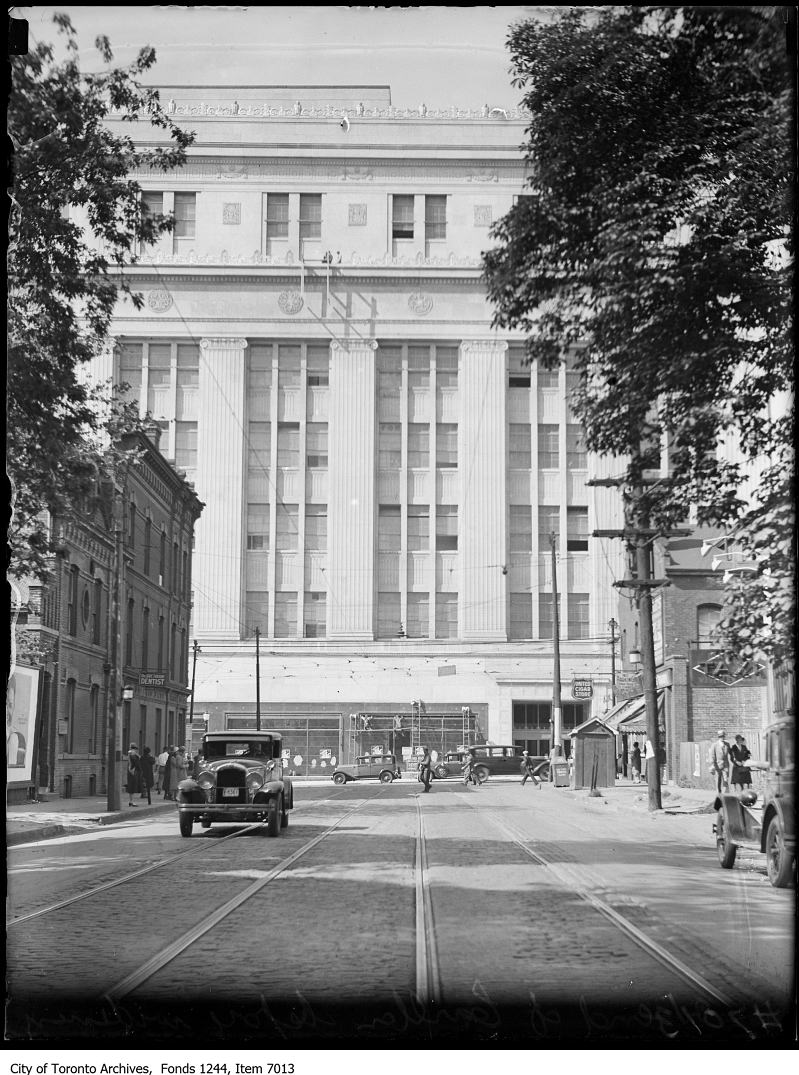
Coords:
230,793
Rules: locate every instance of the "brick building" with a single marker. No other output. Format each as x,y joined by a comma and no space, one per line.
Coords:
70,624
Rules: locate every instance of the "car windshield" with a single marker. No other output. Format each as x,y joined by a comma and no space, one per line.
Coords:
238,748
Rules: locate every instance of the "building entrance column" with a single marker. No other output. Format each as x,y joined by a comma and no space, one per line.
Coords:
217,560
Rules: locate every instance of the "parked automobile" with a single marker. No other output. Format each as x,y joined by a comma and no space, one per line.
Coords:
768,826
493,760
240,776
382,766
450,765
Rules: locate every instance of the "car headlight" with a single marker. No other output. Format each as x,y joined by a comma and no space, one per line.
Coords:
207,781
255,781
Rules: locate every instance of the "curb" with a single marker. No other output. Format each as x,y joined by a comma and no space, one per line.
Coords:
52,830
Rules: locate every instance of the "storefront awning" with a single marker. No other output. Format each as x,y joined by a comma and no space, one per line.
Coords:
629,716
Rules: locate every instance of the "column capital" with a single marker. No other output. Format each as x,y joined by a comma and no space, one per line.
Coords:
481,346
222,343
347,346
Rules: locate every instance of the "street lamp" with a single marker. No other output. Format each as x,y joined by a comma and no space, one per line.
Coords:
634,656
127,693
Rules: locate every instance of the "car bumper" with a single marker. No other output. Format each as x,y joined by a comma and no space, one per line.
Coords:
231,812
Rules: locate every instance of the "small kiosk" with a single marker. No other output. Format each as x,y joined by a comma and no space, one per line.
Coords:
593,743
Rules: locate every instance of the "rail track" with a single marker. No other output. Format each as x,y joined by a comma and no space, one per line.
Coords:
313,873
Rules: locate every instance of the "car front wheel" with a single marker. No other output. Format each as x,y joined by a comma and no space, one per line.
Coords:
386,778
481,773
778,861
441,772
339,778
186,824
724,849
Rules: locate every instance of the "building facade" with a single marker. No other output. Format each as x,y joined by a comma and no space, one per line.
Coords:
113,614
382,473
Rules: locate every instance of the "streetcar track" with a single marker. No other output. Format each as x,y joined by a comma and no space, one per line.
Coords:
428,977
570,878
197,846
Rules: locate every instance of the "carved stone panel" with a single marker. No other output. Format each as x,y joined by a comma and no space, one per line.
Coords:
482,216
231,213
357,215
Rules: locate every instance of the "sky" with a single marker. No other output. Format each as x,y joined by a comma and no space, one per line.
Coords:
439,56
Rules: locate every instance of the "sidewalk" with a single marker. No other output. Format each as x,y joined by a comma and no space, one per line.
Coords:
29,822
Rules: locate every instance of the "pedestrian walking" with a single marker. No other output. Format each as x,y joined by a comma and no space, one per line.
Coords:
719,759
741,774
467,769
181,767
147,779
426,768
527,768
169,773
133,783
635,763
161,761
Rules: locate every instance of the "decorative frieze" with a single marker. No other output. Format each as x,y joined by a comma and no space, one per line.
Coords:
290,302
224,257
420,304
159,299
280,168
236,110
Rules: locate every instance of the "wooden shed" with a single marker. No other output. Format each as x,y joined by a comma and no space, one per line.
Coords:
589,741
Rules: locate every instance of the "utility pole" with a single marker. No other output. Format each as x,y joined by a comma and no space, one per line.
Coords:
114,714
613,625
258,679
557,728
195,650
645,582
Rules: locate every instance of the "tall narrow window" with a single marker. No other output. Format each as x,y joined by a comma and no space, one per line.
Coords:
97,612
173,641
258,446
402,216
277,216
446,445
316,527
318,368
446,615
145,638
389,623
69,713
186,445
72,600
520,445
314,615
707,620
388,528
161,667
446,527
94,718
185,216
287,529
257,527
162,559
148,538
518,367
578,615
435,216
418,528
255,613
548,523
521,616
521,528
418,625
546,624
285,615
310,216
577,529
548,454
152,203
129,633
389,446
130,369
419,445
316,445
576,458
288,444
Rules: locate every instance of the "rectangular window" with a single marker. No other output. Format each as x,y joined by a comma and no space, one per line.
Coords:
288,444
286,533
277,216
435,216
316,527
402,216
548,454
520,444
521,616
578,615
546,626
446,527
446,615
185,216
388,615
257,527
548,378
152,203
418,528
97,611
145,638
419,446
418,625
255,612
576,458
316,445
446,445
521,528
288,373
310,216
69,710
388,528
130,368
389,446
518,367
318,369
315,615
186,444
259,441
419,357
72,601
548,523
577,529
285,615
532,716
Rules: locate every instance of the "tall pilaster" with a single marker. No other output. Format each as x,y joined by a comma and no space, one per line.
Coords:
217,560
351,496
482,468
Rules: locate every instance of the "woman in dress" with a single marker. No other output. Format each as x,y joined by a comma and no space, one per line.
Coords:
133,784
147,776
741,776
635,763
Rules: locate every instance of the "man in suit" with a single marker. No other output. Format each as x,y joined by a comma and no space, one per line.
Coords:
426,768
719,758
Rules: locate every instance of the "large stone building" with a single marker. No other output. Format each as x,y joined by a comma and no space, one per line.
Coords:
381,472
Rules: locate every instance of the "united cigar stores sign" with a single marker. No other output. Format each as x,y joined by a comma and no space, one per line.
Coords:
582,688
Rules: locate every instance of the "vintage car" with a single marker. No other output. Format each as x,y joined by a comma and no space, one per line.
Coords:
450,765
493,760
383,766
767,827
239,776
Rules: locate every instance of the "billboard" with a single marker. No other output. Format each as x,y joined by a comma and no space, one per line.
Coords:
21,695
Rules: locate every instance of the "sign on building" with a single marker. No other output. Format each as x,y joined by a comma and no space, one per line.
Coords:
582,688
628,685
152,679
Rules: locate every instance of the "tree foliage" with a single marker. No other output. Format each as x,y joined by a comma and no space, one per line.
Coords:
655,240
64,280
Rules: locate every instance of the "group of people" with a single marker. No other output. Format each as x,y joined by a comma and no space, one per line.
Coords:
728,763
147,773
